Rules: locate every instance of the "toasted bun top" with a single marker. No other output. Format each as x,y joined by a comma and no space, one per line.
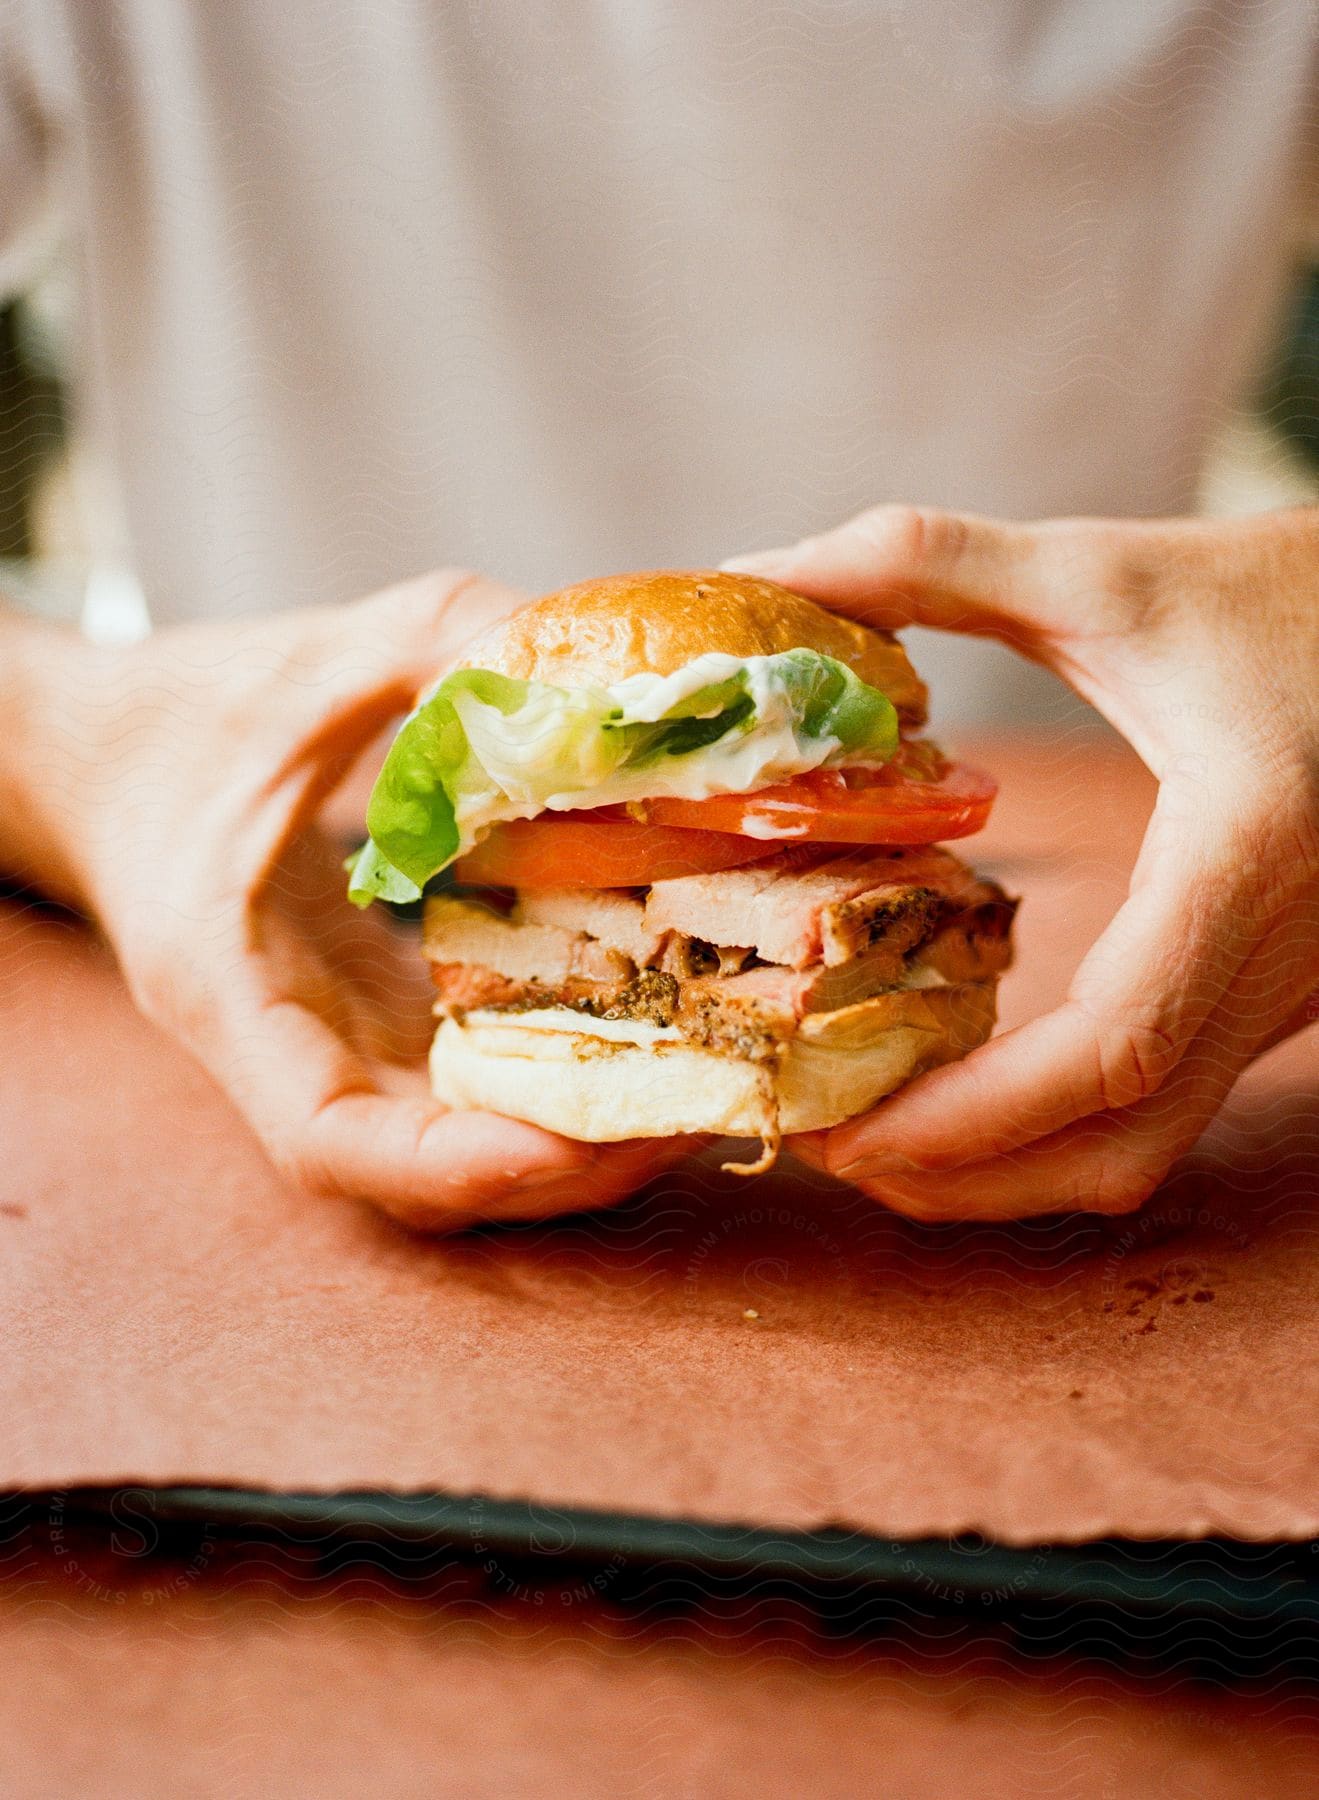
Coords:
656,621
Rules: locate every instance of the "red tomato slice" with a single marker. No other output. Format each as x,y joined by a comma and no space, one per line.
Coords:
845,806
601,848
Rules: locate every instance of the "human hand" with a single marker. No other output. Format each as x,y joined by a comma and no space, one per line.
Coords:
1199,641
175,790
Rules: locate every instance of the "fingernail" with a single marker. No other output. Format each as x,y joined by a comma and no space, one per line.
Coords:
546,1182
757,562
535,1184
878,1163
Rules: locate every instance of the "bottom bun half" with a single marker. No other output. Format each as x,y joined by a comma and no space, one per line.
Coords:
600,1090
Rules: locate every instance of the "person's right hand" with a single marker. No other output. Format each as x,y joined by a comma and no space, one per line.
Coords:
1198,639
171,791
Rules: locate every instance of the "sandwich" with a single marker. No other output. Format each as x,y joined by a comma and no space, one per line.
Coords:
680,847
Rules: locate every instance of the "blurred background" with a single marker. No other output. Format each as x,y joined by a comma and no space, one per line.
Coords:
62,540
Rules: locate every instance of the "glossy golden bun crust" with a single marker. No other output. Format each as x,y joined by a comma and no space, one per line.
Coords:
656,621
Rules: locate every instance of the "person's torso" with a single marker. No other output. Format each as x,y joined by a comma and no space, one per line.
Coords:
557,289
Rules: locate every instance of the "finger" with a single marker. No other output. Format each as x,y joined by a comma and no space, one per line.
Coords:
329,1127
902,565
497,1170
348,669
1109,1162
1090,1168
1137,1002
362,972
398,637
416,628
317,663
363,978
392,993
330,681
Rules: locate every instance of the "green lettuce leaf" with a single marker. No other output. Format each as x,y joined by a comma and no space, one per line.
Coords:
484,747
833,702
702,718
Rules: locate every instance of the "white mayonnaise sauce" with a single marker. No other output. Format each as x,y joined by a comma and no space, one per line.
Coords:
562,1018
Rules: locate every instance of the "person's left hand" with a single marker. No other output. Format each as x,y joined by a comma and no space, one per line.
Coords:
1199,641
172,792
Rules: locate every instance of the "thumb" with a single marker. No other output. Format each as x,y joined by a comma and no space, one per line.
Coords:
901,565
403,636
336,676
345,670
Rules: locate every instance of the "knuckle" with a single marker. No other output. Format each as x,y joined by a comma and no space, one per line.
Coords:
1111,567
1132,1060
910,538
175,957
1121,1183
421,605
419,624
298,1165
147,989
1281,847
913,1200
425,1216
418,594
151,974
450,581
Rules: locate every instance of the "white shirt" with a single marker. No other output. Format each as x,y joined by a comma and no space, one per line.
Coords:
554,288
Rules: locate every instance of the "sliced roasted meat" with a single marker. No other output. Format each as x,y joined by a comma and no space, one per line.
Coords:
821,987
752,1013
843,929
462,987
811,903
883,922
460,931
972,944
750,1023
616,918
